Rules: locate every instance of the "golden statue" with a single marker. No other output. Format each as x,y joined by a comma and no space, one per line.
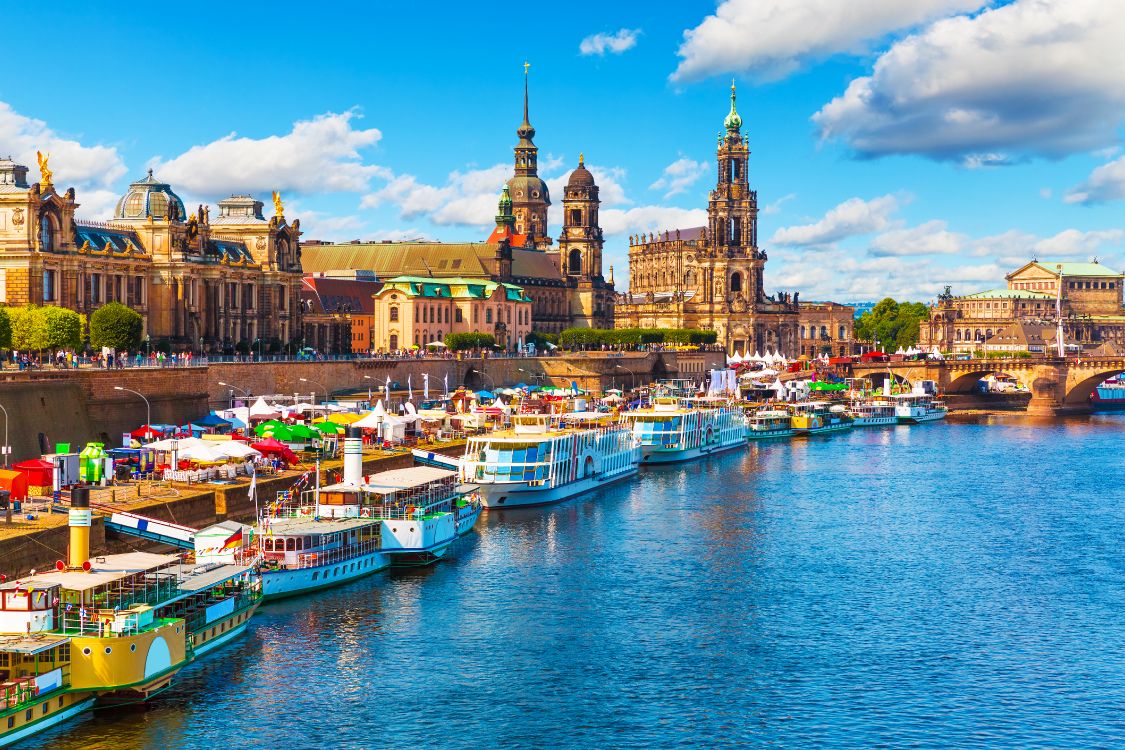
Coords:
44,170
278,208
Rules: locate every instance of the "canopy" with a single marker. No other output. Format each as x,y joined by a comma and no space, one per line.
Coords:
344,418
179,444
211,420
202,454
271,446
145,430
270,426
486,394
14,482
261,410
235,449
436,345
39,472
371,421
304,432
872,355
379,408
328,428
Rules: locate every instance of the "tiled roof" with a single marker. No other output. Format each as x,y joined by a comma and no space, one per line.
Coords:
535,264
454,288
1075,269
229,250
339,295
98,237
386,259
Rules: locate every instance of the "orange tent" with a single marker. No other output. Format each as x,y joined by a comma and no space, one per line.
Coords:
15,483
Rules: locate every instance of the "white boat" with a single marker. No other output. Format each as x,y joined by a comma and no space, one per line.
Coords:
545,459
874,413
304,552
769,423
669,431
918,407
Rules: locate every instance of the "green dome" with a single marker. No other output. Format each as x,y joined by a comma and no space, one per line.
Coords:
733,122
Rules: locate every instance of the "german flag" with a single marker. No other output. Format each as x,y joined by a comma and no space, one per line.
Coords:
234,541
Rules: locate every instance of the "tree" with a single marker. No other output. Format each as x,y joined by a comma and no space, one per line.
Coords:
62,328
117,327
462,341
5,329
28,331
893,324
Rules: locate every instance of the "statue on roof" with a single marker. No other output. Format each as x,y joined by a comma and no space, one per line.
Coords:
278,207
44,170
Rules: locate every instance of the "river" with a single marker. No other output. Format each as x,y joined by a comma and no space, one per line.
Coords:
959,584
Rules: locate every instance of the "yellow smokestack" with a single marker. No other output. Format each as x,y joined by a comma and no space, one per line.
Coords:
80,519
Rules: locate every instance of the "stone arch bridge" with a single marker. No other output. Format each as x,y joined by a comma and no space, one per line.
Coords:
1058,385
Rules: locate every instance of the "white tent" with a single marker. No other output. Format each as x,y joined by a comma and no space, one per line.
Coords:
371,421
203,453
393,429
780,390
757,357
261,410
734,359
240,416
234,449
379,409
181,444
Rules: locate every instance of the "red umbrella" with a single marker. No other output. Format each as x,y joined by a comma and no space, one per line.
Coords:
145,430
269,445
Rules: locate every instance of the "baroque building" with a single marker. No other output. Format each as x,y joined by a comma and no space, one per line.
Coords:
712,277
1086,297
198,283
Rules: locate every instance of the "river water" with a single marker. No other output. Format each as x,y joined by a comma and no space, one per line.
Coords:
959,584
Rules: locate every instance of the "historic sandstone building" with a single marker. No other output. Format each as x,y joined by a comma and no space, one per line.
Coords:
198,282
712,277
1091,307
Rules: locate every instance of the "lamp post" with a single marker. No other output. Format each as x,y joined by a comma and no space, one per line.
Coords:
306,380
234,388
632,375
7,448
485,374
531,374
148,409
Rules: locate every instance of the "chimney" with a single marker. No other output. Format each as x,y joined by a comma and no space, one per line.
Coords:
80,517
353,457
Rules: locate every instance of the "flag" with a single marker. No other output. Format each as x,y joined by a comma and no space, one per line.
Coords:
409,389
425,386
234,541
253,491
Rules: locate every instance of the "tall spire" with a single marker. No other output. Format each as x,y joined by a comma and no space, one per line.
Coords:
525,131
733,122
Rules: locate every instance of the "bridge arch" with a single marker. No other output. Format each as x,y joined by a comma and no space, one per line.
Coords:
1079,392
966,381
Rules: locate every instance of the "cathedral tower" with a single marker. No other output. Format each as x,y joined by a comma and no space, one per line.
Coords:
580,244
530,198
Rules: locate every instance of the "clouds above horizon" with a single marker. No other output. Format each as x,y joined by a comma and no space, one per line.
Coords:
1106,183
851,218
321,154
680,175
772,38
601,43
1029,78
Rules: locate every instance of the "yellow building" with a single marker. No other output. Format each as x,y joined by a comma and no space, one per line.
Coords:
198,282
414,311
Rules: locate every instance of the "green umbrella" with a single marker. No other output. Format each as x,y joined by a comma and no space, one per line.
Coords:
329,428
281,432
303,432
269,426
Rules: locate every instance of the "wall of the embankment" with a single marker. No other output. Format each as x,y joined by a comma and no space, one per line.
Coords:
52,406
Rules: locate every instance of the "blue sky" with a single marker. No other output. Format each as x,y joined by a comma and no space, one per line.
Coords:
896,146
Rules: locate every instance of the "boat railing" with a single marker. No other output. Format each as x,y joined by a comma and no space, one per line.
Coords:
24,691
337,555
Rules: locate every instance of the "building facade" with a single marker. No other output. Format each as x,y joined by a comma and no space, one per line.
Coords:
337,314
198,283
712,277
417,311
1086,296
825,328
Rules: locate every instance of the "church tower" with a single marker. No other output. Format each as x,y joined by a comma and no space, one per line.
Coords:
732,218
530,198
580,244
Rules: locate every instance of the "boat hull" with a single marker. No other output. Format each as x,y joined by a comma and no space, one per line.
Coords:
769,434
824,430
874,421
54,719
652,455
930,416
524,494
278,584
231,627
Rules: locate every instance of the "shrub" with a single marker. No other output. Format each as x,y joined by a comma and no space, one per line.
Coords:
459,342
117,327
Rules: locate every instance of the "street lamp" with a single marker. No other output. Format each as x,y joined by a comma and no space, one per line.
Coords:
306,380
148,408
485,374
532,374
7,448
234,388
368,377
632,375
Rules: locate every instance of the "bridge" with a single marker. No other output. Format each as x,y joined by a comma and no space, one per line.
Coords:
1058,385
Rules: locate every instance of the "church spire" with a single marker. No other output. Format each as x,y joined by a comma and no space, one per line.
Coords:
525,131
733,122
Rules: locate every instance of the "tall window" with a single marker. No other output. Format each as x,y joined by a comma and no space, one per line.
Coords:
574,263
394,313
457,315
736,282
488,315
49,286
393,342
575,216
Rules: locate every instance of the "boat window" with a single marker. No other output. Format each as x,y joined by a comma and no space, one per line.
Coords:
290,544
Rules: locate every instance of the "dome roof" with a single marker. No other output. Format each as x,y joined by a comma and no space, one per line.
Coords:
528,188
733,121
150,197
581,176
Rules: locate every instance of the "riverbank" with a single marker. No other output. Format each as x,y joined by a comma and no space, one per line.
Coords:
36,543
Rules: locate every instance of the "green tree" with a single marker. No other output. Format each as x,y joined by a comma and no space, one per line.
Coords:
893,324
117,327
28,330
5,329
62,328
462,341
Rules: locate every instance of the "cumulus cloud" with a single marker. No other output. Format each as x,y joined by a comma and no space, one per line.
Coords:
930,238
775,207
1075,242
679,176
1031,77
468,198
771,38
616,43
317,155
851,218
616,221
1106,183
73,163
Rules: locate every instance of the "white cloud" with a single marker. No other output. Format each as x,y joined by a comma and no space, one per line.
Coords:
1106,183
1075,242
317,155
851,218
1028,77
679,176
775,207
467,198
96,204
616,221
616,43
771,38
72,163
931,238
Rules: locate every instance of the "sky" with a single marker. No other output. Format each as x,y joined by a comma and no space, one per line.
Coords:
895,147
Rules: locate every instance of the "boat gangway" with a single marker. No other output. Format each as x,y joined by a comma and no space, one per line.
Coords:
152,529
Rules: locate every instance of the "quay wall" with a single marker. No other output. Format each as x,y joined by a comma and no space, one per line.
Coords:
52,406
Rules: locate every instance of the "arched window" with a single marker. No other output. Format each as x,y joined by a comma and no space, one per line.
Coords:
457,316
290,544
736,282
958,334
574,262
824,332
488,315
803,333
394,314
843,332
48,231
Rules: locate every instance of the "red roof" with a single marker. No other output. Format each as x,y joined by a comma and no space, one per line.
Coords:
505,233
